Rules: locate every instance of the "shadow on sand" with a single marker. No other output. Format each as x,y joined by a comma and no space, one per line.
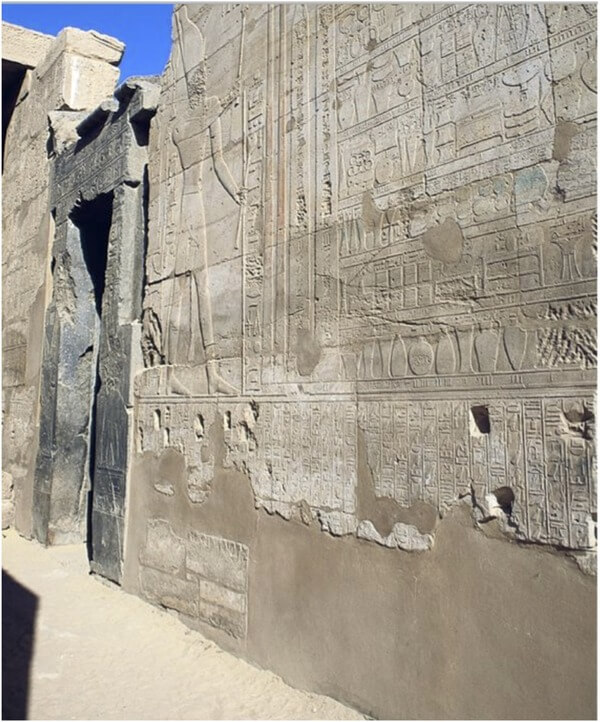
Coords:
19,607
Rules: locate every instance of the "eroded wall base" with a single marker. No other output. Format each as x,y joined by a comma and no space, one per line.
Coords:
476,628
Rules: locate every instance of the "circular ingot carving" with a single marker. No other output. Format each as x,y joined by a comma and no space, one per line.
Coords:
420,357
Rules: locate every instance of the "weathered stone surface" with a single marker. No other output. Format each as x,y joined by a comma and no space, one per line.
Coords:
170,592
85,64
211,573
392,251
69,71
8,500
23,46
63,128
371,296
163,550
403,536
217,560
367,327
90,44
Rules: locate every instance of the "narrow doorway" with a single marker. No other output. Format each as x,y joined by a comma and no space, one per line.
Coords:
93,220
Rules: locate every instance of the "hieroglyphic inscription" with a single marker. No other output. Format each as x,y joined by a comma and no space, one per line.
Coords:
417,240
186,430
306,452
429,452
95,168
295,453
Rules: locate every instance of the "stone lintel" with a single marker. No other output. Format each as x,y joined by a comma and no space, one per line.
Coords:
90,44
23,46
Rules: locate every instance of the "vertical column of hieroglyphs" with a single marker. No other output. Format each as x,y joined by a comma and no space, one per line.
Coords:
300,122
279,275
326,256
567,339
256,157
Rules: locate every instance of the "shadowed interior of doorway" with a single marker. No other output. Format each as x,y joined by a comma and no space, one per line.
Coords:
93,219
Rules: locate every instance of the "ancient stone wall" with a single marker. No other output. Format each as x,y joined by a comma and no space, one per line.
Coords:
365,424
70,73
343,420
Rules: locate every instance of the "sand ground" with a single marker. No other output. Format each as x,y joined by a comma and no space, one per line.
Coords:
74,648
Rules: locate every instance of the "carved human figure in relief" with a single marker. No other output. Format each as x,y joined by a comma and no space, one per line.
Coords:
197,136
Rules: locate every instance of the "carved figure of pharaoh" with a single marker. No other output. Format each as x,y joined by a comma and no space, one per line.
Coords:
190,339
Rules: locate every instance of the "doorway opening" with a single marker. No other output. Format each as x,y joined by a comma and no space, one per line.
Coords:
93,219
13,75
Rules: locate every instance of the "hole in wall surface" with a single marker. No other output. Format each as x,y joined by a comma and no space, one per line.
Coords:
579,416
505,497
593,529
480,420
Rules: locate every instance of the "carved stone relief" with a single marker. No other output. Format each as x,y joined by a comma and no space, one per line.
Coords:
368,310
402,239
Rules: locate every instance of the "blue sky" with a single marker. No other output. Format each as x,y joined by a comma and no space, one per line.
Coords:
145,28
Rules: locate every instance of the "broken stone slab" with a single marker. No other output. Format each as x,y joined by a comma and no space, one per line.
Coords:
402,536
63,128
142,93
90,44
23,46
150,83
587,562
337,523
86,63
